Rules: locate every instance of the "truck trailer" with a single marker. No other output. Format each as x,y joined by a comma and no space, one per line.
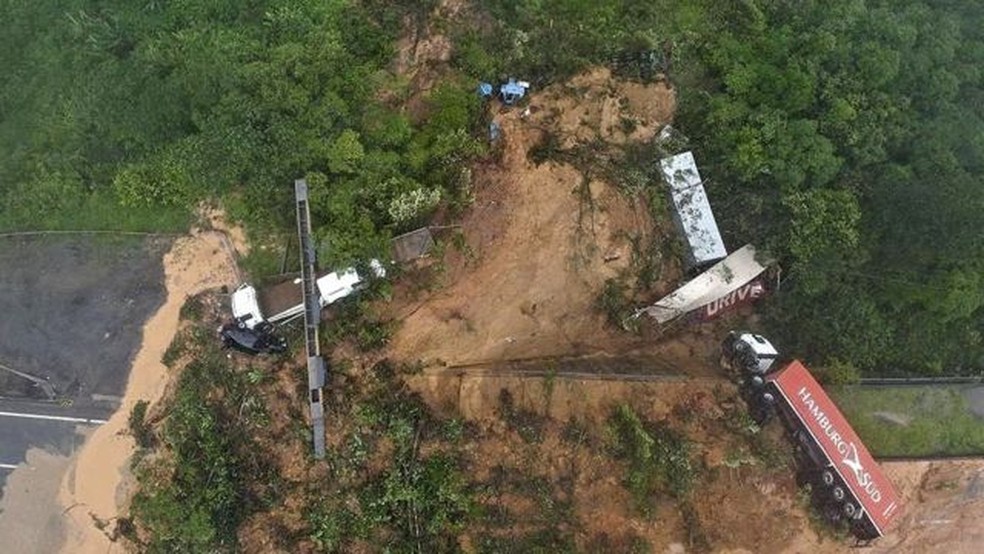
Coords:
283,302
846,479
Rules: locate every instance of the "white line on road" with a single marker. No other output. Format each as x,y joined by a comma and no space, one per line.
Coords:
55,418
107,398
8,466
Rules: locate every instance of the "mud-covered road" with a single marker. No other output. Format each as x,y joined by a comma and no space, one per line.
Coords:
71,314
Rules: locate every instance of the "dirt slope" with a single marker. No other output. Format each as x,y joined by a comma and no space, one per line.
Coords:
527,288
945,507
539,235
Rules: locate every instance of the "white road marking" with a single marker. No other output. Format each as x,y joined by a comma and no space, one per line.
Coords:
107,398
90,421
8,466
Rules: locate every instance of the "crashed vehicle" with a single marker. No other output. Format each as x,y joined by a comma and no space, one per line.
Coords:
844,476
259,340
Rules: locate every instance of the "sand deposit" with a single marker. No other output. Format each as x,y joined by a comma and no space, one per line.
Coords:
96,490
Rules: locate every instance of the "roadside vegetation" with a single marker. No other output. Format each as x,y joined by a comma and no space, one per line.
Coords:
845,137
913,421
125,116
199,473
224,462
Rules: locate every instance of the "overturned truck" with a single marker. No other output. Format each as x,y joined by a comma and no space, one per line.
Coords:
849,477
848,483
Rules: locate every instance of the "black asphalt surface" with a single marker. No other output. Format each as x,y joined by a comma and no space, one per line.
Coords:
17,436
71,313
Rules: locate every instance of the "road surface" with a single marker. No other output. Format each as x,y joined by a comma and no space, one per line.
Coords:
71,315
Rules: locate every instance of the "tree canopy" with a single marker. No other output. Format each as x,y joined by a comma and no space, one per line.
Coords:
159,105
851,130
846,136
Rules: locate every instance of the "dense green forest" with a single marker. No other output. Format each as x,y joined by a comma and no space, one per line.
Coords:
156,106
853,139
846,136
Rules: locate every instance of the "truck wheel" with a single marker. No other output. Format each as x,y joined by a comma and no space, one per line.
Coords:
728,345
851,511
838,494
828,477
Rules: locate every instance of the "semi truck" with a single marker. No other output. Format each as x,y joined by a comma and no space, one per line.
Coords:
283,302
846,480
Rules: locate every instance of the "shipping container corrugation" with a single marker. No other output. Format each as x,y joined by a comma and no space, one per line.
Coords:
839,444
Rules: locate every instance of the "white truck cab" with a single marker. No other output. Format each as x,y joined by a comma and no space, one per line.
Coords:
284,302
750,352
339,284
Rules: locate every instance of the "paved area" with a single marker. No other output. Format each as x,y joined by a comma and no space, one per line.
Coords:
71,315
32,521
975,399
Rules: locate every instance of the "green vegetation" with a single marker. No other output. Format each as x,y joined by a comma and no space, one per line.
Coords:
844,136
659,458
209,477
549,525
383,491
225,461
141,431
913,421
527,423
614,301
115,115
850,135
98,211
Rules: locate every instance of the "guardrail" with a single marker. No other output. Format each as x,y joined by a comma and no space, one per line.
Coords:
312,318
888,381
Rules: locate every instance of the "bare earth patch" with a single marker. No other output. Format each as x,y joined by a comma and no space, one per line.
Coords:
539,237
526,287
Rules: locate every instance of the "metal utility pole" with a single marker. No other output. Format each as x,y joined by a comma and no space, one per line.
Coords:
312,318
42,384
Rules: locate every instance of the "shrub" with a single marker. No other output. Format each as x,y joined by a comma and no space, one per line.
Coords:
659,458
615,302
142,433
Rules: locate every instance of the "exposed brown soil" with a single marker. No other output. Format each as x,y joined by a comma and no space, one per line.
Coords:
422,56
945,510
540,250
537,241
526,288
603,507
541,241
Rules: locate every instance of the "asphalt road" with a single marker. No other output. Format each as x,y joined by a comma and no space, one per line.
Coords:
71,315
